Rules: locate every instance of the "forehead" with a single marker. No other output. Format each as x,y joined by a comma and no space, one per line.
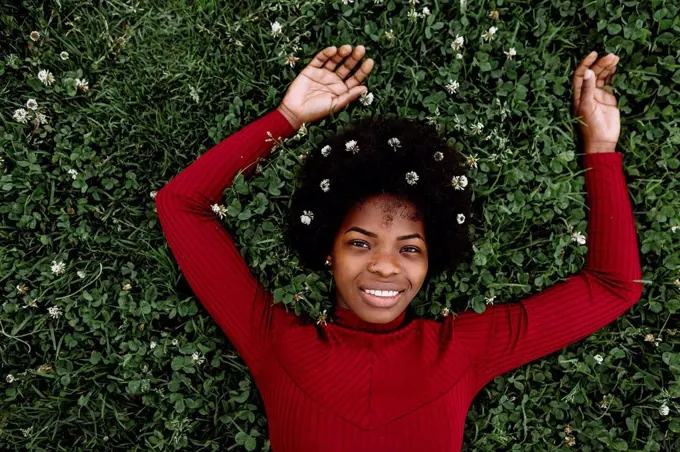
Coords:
385,211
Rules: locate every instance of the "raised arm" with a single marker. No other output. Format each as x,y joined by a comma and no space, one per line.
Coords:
205,252
507,336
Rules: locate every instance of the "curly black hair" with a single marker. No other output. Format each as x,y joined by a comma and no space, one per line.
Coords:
378,167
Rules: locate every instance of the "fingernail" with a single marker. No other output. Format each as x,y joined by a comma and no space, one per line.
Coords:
589,74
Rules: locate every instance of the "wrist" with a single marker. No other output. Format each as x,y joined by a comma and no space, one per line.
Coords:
599,148
292,119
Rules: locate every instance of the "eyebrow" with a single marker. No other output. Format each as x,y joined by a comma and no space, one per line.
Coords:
372,234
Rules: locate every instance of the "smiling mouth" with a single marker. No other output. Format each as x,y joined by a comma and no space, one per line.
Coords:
379,301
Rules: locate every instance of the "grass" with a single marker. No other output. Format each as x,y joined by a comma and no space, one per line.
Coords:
169,79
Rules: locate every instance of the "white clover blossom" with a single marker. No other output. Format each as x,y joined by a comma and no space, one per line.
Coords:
445,311
578,237
10,378
452,86
220,210
41,118
325,185
198,358
389,35
457,43
152,345
58,268
307,216
472,161
46,77
394,142
488,35
175,342
366,98
438,156
477,128
73,173
21,115
510,53
598,358
127,286
664,410
64,55
26,431
352,146
411,177
459,56
194,94
326,150
54,312
153,194
460,218
459,182
82,84
81,274
276,29
490,300
426,12
32,104
674,228
35,35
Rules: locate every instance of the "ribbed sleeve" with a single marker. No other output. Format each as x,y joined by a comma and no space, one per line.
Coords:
507,336
205,252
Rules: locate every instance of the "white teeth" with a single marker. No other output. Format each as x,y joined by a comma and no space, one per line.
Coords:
383,293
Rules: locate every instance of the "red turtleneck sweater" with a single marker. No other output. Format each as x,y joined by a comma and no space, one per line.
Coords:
403,386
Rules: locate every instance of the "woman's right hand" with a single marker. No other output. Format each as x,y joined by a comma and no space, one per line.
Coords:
320,89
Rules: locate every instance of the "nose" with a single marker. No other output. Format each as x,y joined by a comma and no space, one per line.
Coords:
384,264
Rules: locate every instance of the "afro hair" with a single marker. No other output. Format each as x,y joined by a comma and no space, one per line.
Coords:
362,161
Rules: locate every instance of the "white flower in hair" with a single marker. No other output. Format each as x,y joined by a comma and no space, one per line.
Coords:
352,146
307,216
326,150
459,182
460,218
325,184
394,142
411,177
438,156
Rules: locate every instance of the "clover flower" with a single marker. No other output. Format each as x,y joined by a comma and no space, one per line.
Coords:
411,177
352,146
307,216
46,77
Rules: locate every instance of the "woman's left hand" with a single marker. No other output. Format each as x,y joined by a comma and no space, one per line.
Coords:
597,107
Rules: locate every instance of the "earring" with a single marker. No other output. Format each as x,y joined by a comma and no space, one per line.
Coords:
328,262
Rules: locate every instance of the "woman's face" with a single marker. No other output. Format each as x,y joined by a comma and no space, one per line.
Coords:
380,245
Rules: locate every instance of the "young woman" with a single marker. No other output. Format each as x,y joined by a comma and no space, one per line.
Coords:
385,206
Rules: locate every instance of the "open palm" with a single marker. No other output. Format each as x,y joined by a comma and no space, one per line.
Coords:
321,89
597,107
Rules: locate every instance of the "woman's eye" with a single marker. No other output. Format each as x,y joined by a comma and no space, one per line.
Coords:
415,250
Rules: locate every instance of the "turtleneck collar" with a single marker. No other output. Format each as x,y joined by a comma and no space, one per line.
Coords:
348,319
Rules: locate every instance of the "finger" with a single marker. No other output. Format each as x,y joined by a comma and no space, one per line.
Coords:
577,81
345,99
343,51
351,61
587,101
320,58
604,73
361,74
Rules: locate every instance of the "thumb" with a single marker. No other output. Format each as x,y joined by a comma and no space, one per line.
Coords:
588,89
